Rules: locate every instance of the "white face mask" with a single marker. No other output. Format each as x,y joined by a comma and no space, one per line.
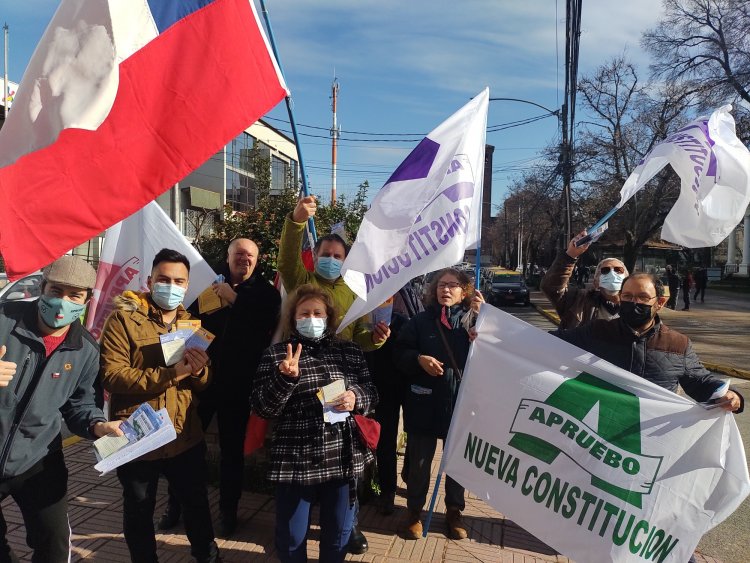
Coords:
312,327
611,281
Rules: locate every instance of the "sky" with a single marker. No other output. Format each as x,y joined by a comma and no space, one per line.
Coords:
404,67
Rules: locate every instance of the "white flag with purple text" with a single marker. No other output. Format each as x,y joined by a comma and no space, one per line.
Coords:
426,215
714,169
125,264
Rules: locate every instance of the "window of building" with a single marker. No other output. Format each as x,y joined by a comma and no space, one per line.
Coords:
240,150
279,175
199,222
241,194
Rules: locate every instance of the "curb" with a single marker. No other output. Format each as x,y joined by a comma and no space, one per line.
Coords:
70,440
719,368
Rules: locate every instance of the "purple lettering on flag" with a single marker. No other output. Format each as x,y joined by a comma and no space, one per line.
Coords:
702,126
418,163
462,190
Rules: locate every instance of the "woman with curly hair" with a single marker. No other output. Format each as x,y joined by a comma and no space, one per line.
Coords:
313,460
432,349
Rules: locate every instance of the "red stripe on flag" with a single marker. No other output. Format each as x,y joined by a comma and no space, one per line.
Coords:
181,98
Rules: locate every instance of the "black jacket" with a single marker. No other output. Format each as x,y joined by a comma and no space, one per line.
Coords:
429,402
661,355
43,388
243,331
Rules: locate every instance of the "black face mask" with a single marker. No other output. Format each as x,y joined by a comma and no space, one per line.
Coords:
635,314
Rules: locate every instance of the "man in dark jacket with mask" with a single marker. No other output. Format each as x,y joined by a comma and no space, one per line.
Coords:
577,306
641,343
243,331
48,368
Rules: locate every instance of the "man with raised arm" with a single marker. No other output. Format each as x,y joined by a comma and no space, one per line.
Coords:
329,255
577,306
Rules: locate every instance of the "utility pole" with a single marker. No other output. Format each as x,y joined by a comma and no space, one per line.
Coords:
572,43
520,241
5,76
335,133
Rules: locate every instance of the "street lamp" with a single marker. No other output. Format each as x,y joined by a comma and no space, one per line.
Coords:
553,112
565,156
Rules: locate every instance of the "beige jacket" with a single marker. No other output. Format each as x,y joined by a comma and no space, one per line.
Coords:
132,369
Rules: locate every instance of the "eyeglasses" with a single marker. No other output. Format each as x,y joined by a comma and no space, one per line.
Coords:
449,285
606,269
640,298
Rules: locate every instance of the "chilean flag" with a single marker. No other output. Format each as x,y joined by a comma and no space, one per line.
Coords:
121,100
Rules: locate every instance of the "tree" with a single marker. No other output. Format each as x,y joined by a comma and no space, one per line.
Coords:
629,119
348,212
705,45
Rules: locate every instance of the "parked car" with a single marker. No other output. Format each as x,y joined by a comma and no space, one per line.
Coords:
25,289
507,288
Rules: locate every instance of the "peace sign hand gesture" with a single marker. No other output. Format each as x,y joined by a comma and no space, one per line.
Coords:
290,365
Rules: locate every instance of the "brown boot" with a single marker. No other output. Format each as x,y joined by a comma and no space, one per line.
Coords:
413,529
456,527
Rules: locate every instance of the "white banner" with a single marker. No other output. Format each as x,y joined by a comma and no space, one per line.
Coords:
426,215
714,170
125,264
596,462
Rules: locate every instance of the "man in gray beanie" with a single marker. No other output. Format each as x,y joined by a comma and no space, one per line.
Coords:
48,371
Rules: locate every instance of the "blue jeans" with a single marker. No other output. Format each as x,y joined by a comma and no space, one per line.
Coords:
293,504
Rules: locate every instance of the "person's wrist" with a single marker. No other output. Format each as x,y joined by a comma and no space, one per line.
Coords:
93,426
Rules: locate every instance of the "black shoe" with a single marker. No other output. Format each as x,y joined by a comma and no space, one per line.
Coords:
170,518
227,523
357,543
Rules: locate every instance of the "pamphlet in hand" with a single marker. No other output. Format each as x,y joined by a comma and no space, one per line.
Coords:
208,301
144,431
593,236
382,313
174,344
327,396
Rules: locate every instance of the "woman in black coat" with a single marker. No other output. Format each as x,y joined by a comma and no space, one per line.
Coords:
434,374
315,457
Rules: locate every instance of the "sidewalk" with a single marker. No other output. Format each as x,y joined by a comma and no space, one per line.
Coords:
718,328
96,520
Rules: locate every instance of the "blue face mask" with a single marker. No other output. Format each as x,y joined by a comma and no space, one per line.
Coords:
611,281
167,296
57,312
312,327
328,267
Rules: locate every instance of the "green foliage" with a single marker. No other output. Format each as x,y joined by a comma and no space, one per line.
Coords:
348,212
264,222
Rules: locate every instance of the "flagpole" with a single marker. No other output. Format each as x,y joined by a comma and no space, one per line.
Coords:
477,269
292,121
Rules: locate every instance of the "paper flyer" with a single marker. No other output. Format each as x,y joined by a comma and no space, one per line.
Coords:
174,344
382,313
143,431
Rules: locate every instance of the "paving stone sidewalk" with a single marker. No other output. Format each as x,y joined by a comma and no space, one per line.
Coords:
96,520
